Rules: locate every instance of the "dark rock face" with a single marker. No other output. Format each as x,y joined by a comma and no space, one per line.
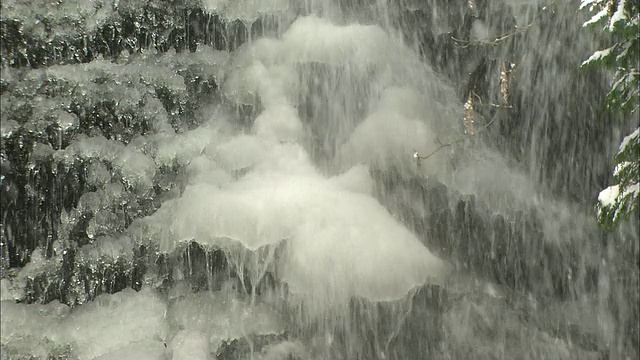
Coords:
245,347
128,27
509,249
420,334
38,186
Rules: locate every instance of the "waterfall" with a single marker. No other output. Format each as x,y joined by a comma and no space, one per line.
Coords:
308,179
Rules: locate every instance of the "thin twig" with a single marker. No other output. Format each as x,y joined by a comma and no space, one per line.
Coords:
502,106
444,145
496,41
467,43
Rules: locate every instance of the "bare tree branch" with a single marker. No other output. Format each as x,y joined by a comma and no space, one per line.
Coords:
467,43
444,145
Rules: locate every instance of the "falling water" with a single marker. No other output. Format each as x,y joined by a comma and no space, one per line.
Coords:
298,179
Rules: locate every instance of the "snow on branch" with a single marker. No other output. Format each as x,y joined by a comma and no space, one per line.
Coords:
598,56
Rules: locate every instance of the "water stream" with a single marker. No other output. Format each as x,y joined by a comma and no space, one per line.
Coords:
293,179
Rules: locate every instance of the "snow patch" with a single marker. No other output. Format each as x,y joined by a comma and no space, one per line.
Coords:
619,15
597,17
598,55
627,140
608,196
633,190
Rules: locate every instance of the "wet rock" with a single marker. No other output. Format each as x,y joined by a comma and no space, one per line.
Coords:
405,328
247,347
509,248
129,28
421,334
75,277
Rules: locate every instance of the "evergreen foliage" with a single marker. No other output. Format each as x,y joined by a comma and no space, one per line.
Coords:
620,18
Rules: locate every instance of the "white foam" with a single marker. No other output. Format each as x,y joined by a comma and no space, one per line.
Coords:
244,9
342,243
189,345
392,133
356,179
316,39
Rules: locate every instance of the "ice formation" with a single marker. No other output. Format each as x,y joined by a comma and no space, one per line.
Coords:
248,192
132,324
341,241
292,197
111,322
